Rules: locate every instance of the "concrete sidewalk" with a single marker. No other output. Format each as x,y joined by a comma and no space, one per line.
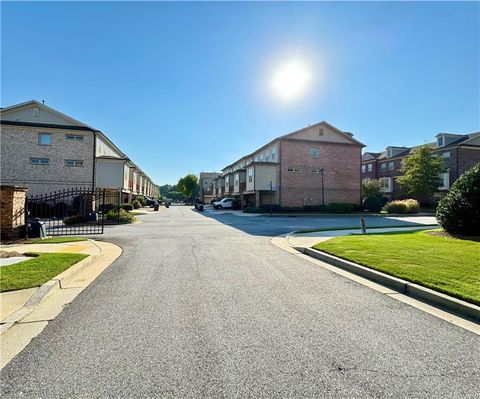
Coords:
25,313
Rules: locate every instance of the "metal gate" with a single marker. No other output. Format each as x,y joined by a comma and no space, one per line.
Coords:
77,211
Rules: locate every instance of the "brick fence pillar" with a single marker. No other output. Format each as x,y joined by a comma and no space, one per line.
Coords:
12,205
257,198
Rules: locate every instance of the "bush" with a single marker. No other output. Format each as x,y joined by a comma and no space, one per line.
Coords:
314,208
275,208
120,216
126,207
236,205
372,203
340,207
403,206
372,188
142,200
76,219
459,211
136,204
252,209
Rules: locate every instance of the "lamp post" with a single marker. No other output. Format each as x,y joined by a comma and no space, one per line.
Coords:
322,172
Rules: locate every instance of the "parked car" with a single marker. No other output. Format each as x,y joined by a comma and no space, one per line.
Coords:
223,204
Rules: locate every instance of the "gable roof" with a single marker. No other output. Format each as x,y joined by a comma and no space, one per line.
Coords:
348,135
36,104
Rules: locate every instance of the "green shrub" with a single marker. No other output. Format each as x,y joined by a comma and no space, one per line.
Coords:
314,208
403,206
340,207
141,199
459,211
126,207
76,219
136,204
120,216
252,209
412,205
371,188
372,203
236,205
275,208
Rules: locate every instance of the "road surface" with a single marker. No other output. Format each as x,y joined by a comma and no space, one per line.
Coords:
198,307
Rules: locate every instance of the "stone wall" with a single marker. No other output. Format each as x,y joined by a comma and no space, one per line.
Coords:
12,204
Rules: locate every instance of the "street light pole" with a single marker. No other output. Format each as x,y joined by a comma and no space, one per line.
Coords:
322,172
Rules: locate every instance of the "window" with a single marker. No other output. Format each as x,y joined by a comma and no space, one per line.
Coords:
256,159
391,165
36,112
39,161
385,184
267,156
370,167
250,175
293,170
44,139
446,156
445,178
73,162
261,157
440,141
317,171
274,153
383,166
320,131
74,137
314,152
363,168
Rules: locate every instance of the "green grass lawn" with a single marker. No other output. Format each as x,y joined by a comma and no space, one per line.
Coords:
449,265
55,240
36,271
314,230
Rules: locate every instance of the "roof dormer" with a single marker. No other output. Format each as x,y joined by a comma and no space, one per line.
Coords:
444,139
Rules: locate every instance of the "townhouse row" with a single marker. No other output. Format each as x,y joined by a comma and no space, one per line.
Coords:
318,164
459,152
48,151
321,164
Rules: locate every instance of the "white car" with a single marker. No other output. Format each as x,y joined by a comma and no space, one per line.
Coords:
223,204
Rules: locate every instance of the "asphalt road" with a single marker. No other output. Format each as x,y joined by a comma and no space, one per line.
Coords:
196,308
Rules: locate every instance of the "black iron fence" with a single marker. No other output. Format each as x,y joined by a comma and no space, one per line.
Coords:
77,211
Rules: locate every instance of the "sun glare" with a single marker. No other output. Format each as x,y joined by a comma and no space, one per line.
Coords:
291,80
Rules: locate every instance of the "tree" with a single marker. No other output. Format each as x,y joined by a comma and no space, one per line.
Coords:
371,188
187,185
459,211
421,173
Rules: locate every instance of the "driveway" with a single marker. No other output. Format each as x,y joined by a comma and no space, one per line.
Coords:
200,308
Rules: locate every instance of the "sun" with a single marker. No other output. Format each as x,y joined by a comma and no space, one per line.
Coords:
291,80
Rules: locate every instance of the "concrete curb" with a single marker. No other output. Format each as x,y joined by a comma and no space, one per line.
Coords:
45,291
429,296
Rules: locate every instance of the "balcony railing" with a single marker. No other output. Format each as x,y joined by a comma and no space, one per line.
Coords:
243,187
130,184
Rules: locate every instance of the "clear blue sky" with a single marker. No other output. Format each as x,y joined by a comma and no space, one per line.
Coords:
185,87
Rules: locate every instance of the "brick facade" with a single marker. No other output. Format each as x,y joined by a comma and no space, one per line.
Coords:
12,218
20,143
341,163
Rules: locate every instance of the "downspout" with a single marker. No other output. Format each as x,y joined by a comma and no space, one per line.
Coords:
94,158
280,173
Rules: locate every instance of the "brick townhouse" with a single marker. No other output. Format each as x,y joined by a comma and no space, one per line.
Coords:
48,151
459,152
289,170
206,185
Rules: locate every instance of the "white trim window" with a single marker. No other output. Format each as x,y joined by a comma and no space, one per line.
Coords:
314,152
44,138
391,165
364,168
274,153
370,167
446,156
386,184
445,178
39,161
293,170
74,162
74,137
250,175
383,166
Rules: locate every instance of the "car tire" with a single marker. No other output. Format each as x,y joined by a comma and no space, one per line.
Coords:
220,207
